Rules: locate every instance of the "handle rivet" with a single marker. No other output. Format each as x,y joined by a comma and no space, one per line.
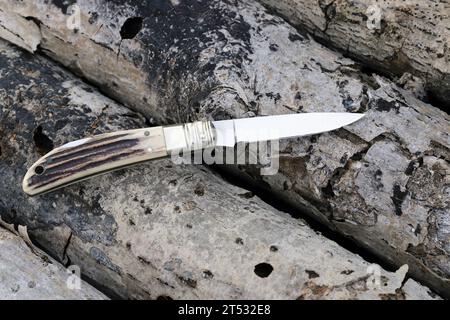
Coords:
39,170
147,133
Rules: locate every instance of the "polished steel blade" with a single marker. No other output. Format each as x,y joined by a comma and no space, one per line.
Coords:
266,128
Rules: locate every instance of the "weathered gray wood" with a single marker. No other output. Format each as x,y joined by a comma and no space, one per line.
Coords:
27,275
395,37
382,182
159,229
22,32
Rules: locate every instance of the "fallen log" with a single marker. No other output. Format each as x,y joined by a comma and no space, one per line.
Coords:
161,230
382,182
394,37
27,274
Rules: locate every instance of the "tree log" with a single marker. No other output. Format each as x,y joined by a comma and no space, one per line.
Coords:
394,37
383,181
27,275
161,230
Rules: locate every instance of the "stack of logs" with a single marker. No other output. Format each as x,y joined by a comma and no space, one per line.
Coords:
161,230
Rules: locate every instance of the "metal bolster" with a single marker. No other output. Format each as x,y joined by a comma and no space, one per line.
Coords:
190,136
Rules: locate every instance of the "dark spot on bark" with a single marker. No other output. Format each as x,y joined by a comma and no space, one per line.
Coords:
295,37
43,143
63,4
347,102
164,297
411,167
199,190
420,162
298,96
239,241
131,27
398,197
148,211
273,96
34,19
90,90
197,109
131,222
128,245
437,96
377,177
312,274
378,174
208,274
273,248
347,272
418,230
328,190
187,280
143,260
247,195
165,283
93,18
273,47
343,159
173,182
385,106
189,226
398,295
177,209
263,270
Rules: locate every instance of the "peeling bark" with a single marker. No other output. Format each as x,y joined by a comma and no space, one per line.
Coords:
24,275
20,31
159,229
395,37
382,181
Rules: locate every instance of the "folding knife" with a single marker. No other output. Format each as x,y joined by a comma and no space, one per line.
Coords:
82,159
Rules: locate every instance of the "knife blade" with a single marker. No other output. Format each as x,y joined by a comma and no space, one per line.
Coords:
88,157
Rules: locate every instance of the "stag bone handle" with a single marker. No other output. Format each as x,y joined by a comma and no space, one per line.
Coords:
88,157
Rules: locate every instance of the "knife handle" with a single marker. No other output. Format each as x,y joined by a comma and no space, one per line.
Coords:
82,159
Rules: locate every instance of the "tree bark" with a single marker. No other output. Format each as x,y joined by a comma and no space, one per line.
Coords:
382,182
161,230
394,37
29,275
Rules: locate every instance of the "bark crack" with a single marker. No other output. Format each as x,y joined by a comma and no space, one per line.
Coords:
65,257
329,11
